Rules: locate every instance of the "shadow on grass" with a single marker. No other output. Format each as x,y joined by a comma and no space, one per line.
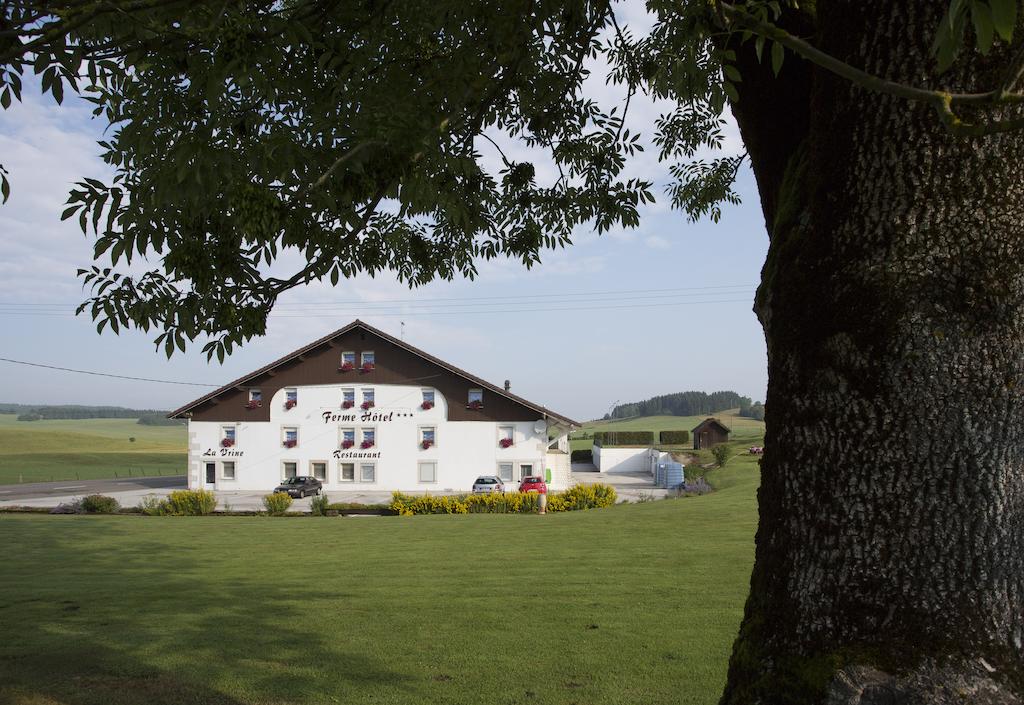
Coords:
149,622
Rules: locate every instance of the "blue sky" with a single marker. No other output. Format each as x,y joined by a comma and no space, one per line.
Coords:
563,332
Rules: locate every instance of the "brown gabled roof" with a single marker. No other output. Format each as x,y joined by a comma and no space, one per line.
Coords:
711,420
396,341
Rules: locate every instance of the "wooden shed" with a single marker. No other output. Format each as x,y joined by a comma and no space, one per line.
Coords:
710,432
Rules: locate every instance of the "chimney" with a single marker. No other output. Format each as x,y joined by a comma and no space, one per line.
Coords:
508,385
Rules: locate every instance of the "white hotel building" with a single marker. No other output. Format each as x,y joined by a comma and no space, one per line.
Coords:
361,410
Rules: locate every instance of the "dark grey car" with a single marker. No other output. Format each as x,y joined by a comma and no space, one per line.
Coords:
300,486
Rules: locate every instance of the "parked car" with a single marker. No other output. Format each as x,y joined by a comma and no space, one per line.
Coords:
488,483
533,483
300,486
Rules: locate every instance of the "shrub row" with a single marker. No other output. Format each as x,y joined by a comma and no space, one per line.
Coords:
624,438
674,438
582,456
576,497
180,503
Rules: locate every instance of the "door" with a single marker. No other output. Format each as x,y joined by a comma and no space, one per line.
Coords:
211,475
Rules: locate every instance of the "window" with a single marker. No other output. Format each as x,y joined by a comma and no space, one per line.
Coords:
367,472
476,398
227,436
368,396
428,398
368,437
227,470
347,472
505,471
318,469
428,472
289,468
525,470
368,358
291,397
255,395
348,398
290,436
348,358
348,437
428,437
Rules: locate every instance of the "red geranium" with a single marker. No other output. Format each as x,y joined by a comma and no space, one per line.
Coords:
346,444
366,444
290,404
227,443
346,367
254,404
366,405
368,367
347,404
475,404
427,405
291,443
505,442
426,444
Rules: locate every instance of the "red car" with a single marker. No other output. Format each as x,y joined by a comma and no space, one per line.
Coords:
533,483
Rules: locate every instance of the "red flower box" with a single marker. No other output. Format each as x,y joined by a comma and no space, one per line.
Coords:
290,404
290,444
254,404
368,367
226,443
505,443
347,404
366,405
347,444
426,444
346,367
475,404
366,444
427,405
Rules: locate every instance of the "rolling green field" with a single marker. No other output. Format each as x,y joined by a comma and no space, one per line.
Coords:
637,603
73,449
744,430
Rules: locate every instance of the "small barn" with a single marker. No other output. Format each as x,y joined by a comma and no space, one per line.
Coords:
710,432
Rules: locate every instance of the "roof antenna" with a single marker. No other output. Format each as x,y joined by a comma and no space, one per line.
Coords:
403,330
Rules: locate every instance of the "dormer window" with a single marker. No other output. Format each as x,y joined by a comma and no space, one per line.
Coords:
348,362
475,399
368,361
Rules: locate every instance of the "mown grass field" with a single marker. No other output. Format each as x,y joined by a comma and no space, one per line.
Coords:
744,430
81,449
633,604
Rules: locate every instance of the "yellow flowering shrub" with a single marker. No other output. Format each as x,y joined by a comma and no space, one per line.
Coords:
577,497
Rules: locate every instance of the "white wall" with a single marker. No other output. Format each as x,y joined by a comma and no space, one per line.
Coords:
463,450
616,459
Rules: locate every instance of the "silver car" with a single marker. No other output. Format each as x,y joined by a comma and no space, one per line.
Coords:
488,483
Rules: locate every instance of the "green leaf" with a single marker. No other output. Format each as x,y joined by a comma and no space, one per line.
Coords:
1004,18
732,73
778,54
5,188
981,17
5,98
68,212
730,90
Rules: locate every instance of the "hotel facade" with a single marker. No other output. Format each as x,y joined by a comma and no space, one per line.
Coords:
361,410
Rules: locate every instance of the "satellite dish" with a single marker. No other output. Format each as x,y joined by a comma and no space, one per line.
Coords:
540,426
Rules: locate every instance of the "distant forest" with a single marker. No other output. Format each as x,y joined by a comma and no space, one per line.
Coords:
689,404
146,417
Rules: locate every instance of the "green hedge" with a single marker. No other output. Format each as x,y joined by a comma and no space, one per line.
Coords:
582,456
577,497
624,438
674,438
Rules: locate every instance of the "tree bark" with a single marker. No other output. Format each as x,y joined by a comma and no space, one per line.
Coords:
890,549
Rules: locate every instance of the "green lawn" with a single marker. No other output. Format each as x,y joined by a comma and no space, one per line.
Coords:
36,451
744,430
634,604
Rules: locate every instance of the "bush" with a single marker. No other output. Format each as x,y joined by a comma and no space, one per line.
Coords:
577,497
596,496
29,417
721,453
698,486
674,438
318,505
99,504
342,506
151,505
624,438
582,456
277,503
189,503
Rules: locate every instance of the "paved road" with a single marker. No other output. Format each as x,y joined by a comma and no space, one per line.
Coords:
80,488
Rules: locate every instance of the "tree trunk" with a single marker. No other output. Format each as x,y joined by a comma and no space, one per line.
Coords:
890,550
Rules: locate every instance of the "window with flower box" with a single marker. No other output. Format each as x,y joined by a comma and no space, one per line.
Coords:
367,472
318,469
347,472
348,398
428,472
291,398
506,436
255,399
227,470
347,362
475,399
367,437
428,399
289,468
505,471
368,361
347,439
228,436
290,436
369,400
428,437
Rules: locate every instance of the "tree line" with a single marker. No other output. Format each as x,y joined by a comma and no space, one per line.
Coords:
686,404
72,411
